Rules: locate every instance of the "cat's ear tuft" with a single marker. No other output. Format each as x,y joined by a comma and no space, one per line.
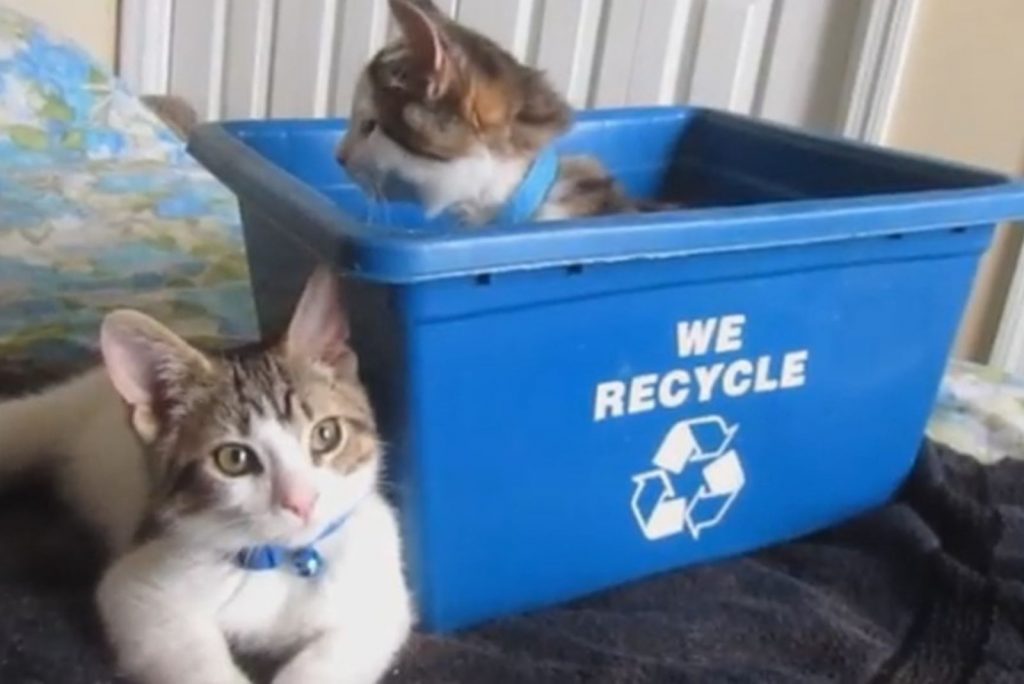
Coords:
319,329
422,26
145,362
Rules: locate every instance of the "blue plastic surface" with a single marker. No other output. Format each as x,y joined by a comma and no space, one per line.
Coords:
577,404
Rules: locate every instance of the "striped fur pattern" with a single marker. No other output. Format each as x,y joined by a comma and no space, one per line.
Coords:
180,459
459,120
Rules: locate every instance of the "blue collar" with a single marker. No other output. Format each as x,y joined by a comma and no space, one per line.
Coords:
304,561
528,198
521,206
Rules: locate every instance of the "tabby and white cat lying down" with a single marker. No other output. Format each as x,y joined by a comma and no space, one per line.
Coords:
445,117
237,494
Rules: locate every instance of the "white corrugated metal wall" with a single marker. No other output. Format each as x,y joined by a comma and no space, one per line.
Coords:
807,62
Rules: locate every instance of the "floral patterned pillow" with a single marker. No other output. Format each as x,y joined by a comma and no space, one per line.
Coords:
101,207
58,105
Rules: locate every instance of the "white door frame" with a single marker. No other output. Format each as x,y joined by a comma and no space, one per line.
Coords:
1008,350
883,36
144,44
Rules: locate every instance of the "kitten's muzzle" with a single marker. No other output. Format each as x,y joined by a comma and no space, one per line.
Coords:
298,499
343,150
342,155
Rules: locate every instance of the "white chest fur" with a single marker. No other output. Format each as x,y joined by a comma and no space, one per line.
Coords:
345,625
266,608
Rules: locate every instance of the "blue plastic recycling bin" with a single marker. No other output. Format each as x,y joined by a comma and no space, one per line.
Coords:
573,405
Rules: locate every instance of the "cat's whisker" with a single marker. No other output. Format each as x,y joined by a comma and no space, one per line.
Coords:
246,578
210,533
387,485
381,202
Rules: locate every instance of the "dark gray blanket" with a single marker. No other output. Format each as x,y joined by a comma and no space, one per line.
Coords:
929,590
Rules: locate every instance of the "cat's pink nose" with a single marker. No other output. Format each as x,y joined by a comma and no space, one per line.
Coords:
299,500
342,155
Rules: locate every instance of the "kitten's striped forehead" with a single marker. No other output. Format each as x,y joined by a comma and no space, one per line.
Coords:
259,387
267,387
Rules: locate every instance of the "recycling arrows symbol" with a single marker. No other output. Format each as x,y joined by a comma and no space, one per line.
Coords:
702,443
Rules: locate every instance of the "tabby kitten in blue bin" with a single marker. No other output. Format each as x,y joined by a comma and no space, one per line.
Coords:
447,118
237,494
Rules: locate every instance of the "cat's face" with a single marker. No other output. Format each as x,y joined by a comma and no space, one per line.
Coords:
278,447
443,113
266,446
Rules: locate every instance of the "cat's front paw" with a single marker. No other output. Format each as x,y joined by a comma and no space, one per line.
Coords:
166,675
304,674
316,668
233,678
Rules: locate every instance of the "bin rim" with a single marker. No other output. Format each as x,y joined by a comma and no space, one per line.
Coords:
396,255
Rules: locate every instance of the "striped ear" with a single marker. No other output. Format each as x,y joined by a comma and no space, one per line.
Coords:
319,329
422,26
427,6
146,362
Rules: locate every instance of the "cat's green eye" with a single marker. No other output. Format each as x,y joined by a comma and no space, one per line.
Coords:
328,434
236,460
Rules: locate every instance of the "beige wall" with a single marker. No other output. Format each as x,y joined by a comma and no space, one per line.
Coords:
93,23
962,97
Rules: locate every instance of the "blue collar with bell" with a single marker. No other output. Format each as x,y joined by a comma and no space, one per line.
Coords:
521,206
304,561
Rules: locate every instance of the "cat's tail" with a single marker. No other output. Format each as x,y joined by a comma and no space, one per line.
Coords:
36,429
